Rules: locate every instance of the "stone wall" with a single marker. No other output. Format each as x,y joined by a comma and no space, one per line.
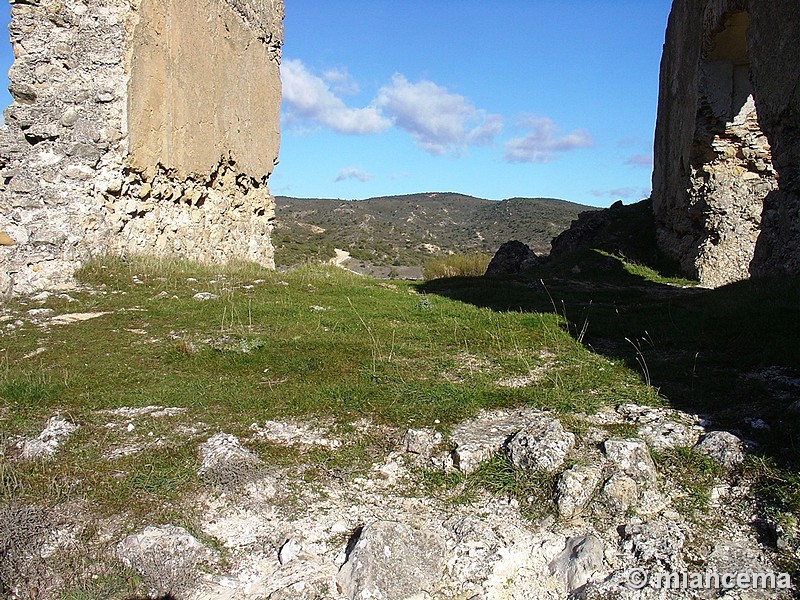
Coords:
725,190
138,127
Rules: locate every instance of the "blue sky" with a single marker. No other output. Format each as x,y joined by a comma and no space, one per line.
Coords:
493,98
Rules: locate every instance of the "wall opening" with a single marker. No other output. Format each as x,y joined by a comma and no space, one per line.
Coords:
731,160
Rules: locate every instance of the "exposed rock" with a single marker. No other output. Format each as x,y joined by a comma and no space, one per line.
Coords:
481,438
421,441
575,488
512,257
620,493
656,544
580,561
48,441
542,444
202,296
727,161
724,447
632,457
226,463
289,551
287,433
166,557
138,130
392,561
660,427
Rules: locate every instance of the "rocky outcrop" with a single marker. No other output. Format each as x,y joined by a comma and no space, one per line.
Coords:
138,128
727,158
512,257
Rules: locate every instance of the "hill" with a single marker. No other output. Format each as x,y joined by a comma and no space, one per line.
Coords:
406,230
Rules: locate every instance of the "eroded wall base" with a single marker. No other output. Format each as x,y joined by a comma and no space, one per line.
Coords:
724,182
194,184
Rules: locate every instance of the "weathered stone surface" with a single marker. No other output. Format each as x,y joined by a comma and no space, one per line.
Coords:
620,493
660,428
541,444
727,160
421,441
48,441
512,257
392,561
137,130
656,543
575,488
579,562
479,439
724,447
225,462
631,457
166,557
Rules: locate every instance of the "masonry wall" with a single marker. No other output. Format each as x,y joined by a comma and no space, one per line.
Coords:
144,127
726,152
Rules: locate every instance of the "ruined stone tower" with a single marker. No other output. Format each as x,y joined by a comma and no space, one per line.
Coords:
138,127
727,149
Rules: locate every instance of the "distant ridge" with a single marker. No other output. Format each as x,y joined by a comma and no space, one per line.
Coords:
407,229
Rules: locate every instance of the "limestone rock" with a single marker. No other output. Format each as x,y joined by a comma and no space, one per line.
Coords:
660,428
541,444
579,562
225,462
726,182
202,296
724,447
479,439
512,257
289,551
632,457
106,107
575,488
46,444
620,493
421,441
656,543
392,561
166,557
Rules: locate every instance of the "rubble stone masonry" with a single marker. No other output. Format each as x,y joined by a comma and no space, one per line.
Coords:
138,127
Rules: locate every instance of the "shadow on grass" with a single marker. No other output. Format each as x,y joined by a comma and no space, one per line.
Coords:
730,354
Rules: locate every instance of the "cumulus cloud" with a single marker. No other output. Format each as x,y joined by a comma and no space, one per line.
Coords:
644,161
341,81
307,97
543,141
352,173
439,121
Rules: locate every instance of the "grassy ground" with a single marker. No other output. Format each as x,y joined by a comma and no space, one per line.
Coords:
323,345
729,354
312,342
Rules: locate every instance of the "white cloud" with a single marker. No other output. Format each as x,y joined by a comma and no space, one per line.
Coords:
543,141
352,173
644,161
307,97
341,81
439,121
623,192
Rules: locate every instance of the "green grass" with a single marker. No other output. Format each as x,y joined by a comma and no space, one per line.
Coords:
457,265
315,342
323,345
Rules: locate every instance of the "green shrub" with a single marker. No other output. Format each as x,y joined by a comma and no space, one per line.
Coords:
457,265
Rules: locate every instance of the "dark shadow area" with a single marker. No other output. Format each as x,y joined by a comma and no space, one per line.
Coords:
729,354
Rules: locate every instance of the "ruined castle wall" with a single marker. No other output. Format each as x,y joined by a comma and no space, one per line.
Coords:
141,127
722,114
